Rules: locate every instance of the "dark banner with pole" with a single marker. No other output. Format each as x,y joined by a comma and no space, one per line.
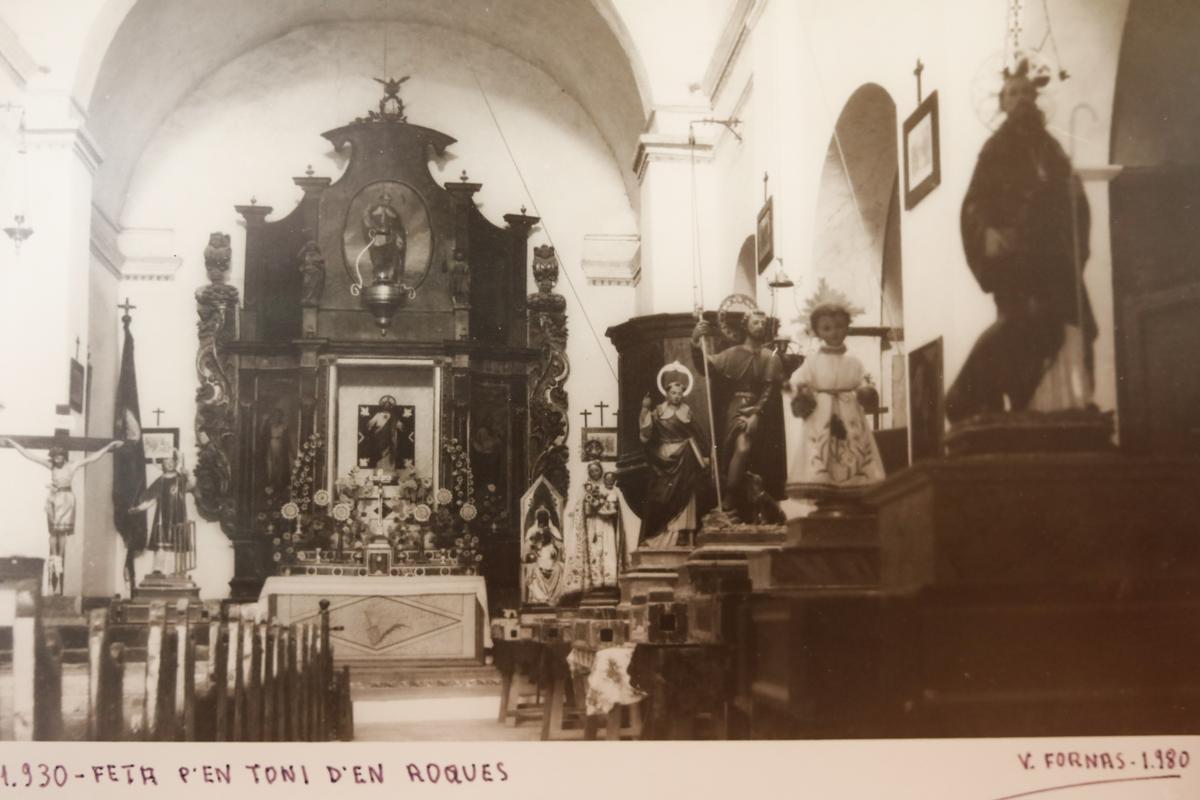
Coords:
129,462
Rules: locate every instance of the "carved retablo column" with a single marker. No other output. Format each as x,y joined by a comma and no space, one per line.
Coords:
216,396
548,422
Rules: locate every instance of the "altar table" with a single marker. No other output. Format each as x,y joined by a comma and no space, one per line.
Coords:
387,619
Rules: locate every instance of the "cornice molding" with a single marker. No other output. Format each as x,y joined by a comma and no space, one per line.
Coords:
612,260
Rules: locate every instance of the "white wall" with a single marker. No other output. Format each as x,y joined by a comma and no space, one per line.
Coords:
256,123
808,58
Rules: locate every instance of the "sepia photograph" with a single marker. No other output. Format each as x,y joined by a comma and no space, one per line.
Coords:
801,379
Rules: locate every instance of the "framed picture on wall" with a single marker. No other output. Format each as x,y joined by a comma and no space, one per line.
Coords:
599,444
765,235
922,152
75,386
158,443
926,407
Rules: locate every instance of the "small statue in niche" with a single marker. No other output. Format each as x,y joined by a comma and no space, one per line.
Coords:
755,373
217,253
1025,224
675,452
386,239
170,534
600,524
543,546
830,393
460,279
60,502
312,275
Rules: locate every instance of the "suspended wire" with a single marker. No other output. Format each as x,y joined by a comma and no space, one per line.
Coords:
545,227
1053,41
697,270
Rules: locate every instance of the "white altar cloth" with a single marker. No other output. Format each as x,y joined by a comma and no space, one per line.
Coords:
344,590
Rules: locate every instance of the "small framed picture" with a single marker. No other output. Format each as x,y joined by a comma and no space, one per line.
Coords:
922,152
765,235
599,444
926,401
158,443
76,386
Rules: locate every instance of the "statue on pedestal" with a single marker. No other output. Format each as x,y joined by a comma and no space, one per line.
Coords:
60,502
600,526
1025,225
171,534
384,231
675,453
543,567
460,279
755,373
312,275
837,449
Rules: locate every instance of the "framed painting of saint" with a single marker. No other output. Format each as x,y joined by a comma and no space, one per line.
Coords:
386,436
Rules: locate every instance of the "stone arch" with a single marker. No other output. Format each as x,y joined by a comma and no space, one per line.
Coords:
142,59
857,244
745,276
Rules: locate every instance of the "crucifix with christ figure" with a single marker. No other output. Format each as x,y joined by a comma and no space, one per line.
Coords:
60,502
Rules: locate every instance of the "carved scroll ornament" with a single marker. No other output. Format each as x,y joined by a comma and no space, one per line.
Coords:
548,420
216,396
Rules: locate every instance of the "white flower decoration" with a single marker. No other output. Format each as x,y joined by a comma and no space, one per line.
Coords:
341,512
422,513
467,512
444,496
290,510
321,497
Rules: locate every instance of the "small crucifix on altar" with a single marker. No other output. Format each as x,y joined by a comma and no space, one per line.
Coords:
60,502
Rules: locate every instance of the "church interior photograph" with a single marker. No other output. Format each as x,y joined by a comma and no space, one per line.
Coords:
514,370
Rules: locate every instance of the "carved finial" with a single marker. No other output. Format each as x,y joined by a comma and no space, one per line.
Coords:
253,200
463,177
522,210
309,172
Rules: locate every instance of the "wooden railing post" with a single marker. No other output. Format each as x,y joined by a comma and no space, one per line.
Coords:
24,664
97,650
268,634
325,701
237,674
112,694
255,693
48,723
283,697
185,677
152,710
303,678
293,683
345,708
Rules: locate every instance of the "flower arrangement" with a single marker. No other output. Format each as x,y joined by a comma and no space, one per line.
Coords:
418,521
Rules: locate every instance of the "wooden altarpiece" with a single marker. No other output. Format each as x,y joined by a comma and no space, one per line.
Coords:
303,336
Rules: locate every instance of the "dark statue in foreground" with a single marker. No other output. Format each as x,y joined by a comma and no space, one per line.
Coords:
754,372
1025,231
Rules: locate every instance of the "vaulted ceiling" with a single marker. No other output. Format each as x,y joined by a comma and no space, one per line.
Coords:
163,49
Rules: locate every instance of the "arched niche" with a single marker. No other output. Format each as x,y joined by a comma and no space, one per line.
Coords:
857,244
745,276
